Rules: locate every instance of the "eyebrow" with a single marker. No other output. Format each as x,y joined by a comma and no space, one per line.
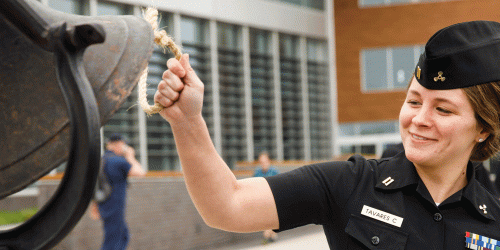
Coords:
439,99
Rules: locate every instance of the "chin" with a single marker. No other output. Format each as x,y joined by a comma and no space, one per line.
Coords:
416,156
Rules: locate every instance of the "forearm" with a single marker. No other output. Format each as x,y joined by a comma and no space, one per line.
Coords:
210,182
136,167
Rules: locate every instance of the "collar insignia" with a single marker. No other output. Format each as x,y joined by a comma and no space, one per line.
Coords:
479,242
388,181
483,207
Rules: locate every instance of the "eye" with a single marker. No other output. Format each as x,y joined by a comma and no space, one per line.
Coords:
443,110
413,102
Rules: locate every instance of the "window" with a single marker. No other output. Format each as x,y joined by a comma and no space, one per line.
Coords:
314,4
78,7
368,128
368,149
263,103
319,100
378,3
291,98
386,69
112,9
232,96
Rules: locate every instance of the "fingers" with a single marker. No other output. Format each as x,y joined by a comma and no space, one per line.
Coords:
172,80
176,67
169,89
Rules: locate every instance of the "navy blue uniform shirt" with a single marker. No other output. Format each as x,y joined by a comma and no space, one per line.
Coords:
382,204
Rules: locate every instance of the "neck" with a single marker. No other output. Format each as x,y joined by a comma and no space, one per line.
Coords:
443,181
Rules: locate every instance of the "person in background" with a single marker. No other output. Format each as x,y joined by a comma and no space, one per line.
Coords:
265,170
119,163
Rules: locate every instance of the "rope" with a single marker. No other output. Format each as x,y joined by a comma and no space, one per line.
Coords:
163,40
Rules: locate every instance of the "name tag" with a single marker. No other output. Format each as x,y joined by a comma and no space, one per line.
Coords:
382,216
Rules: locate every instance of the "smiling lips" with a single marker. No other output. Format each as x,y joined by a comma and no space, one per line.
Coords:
419,137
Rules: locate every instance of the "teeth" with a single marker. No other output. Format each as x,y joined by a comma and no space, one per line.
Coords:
419,138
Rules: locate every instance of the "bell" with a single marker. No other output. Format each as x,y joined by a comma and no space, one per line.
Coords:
35,127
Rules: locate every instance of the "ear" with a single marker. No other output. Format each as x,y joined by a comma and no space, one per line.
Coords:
483,135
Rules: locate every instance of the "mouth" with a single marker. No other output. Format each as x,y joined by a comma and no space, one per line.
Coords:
419,138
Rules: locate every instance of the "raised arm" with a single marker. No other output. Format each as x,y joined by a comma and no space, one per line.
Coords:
136,169
224,202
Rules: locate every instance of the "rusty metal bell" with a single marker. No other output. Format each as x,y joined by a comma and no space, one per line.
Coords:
35,131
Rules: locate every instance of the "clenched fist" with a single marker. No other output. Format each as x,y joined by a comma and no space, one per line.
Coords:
180,91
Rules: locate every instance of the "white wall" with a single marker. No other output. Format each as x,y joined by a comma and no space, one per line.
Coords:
276,16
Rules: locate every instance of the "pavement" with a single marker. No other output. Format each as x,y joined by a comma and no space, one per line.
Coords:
306,237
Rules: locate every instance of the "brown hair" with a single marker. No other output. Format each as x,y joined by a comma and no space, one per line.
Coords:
485,100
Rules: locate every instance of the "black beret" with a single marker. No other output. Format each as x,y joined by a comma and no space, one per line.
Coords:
461,55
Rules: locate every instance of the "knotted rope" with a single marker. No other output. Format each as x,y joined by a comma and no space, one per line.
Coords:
165,41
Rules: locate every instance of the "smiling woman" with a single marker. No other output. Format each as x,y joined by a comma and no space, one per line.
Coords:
438,127
425,196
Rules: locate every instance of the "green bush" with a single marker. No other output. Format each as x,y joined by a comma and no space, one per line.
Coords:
13,217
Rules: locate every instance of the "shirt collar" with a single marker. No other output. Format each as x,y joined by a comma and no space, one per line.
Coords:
398,172
477,195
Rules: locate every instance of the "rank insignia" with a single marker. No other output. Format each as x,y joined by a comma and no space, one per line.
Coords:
479,242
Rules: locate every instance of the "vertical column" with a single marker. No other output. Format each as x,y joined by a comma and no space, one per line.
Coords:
247,81
332,66
275,48
390,69
177,29
305,98
93,7
214,62
141,118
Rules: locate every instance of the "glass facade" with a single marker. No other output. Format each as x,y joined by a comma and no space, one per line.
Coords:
79,7
291,98
385,69
159,152
319,99
263,103
377,3
231,93
314,4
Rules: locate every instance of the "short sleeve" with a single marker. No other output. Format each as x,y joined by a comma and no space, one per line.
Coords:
311,194
117,169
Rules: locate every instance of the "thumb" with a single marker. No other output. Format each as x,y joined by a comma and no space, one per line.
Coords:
185,62
190,74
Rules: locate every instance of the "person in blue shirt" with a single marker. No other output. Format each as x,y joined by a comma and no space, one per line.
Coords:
119,163
266,170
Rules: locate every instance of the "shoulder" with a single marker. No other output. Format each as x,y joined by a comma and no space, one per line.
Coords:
355,163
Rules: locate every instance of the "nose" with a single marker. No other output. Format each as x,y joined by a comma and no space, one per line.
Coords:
423,117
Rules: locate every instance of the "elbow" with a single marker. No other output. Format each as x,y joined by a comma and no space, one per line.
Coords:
226,223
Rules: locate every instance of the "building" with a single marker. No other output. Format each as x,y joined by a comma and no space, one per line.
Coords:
281,77
265,69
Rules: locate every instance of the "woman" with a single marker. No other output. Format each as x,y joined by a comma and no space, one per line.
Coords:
426,198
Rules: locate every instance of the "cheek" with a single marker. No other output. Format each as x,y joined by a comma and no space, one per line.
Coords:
404,117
